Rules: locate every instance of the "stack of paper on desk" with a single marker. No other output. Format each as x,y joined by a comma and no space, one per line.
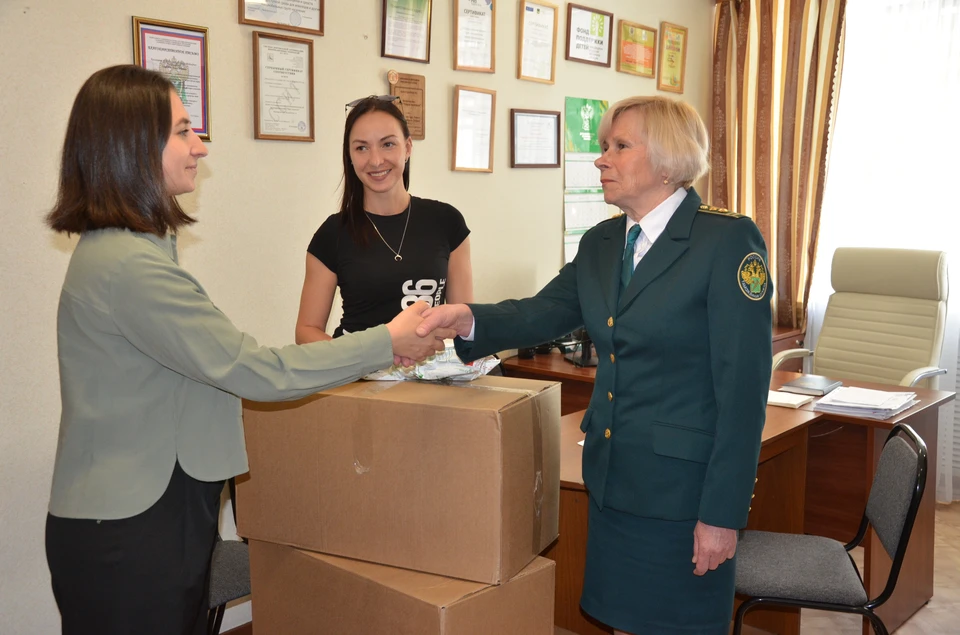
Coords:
863,402
787,400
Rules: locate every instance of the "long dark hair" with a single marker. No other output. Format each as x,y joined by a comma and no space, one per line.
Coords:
351,203
111,168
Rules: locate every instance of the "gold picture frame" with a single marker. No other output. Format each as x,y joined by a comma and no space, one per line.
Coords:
473,24
636,49
533,28
672,61
473,117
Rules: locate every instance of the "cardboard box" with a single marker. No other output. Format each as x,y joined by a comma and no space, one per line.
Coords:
298,592
458,480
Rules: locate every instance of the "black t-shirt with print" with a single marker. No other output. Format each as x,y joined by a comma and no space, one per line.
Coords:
373,285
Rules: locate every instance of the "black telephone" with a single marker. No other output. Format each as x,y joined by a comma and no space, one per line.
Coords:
583,354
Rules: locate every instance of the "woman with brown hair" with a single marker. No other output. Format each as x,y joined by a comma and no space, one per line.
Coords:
152,373
385,248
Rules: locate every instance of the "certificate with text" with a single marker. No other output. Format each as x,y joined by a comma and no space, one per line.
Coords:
405,29
303,16
179,53
537,53
475,29
283,87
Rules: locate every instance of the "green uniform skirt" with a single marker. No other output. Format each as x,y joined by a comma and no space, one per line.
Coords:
639,577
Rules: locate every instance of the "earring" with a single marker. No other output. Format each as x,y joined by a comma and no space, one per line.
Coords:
666,180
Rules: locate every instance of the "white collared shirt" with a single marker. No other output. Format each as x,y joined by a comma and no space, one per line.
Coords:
653,224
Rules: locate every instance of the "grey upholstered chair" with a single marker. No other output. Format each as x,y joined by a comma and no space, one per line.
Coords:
229,573
884,322
816,572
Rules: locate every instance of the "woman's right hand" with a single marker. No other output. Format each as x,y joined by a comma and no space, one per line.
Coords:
408,347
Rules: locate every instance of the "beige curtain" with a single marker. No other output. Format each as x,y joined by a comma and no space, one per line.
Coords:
776,73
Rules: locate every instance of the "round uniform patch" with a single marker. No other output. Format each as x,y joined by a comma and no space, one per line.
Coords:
752,276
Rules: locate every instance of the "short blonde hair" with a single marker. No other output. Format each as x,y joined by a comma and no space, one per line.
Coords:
673,132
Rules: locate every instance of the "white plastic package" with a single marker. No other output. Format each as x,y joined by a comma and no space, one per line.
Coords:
444,365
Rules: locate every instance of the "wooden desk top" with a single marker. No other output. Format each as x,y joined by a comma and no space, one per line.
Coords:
554,365
780,422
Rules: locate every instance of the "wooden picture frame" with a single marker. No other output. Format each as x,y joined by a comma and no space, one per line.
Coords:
471,30
416,26
589,35
288,15
188,69
535,36
283,101
473,128
539,128
671,65
636,49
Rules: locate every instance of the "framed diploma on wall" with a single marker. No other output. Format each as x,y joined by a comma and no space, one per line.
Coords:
282,87
589,34
537,49
179,53
673,57
534,138
636,49
473,110
405,29
475,27
302,16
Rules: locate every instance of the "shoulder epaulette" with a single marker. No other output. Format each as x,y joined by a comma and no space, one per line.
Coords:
710,209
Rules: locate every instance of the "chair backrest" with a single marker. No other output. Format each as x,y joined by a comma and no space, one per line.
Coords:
895,495
886,316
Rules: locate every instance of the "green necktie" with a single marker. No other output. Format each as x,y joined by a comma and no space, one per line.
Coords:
626,270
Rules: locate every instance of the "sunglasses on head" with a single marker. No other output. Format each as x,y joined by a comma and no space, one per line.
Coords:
386,98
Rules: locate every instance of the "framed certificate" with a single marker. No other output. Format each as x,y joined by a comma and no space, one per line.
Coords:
475,26
405,29
534,138
303,16
179,53
636,49
673,57
589,33
282,87
473,110
537,49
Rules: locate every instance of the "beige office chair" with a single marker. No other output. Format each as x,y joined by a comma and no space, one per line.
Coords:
884,322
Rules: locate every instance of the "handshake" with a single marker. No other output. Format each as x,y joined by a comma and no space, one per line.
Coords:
418,332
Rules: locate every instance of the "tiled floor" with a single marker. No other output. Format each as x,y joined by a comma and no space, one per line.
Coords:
940,617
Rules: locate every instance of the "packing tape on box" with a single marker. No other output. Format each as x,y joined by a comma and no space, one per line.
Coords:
361,430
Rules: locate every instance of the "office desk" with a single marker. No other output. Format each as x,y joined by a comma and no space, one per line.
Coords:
777,506
814,476
578,382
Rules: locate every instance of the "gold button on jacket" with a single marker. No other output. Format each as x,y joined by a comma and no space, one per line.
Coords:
606,433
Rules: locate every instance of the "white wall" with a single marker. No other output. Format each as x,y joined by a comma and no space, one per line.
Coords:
258,202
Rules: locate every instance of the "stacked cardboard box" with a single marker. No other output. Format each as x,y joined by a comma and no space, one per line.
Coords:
458,481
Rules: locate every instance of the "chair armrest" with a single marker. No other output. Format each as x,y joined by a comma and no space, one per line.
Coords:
919,374
790,353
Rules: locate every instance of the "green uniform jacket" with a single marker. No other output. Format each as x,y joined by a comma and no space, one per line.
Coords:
151,373
674,423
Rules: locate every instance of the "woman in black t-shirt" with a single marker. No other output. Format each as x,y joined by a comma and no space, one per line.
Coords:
385,248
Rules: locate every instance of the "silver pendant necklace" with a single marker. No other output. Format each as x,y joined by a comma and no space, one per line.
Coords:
396,252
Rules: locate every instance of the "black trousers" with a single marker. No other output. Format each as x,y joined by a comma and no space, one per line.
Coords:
146,574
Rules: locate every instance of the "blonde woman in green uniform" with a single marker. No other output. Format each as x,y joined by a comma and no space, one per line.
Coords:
675,296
